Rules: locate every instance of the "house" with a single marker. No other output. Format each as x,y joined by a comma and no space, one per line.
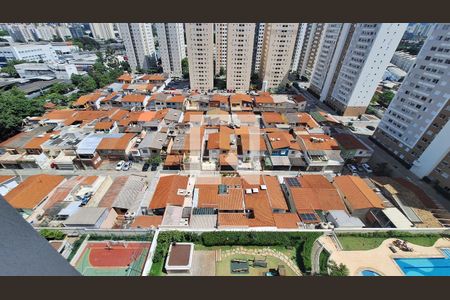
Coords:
359,198
241,102
157,101
152,144
194,118
91,100
282,143
219,101
170,190
173,162
311,196
125,78
251,146
106,127
264,102
176,102
353,150
197,102
32,192
134,102
221,142
92,217
216,117
139,88
116,146
245,119
272,119
156,79
297,119
321,152
86,151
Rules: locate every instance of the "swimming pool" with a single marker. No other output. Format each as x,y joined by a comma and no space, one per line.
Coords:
426,266
369,273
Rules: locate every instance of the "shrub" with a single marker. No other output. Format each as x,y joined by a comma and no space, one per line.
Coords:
52,234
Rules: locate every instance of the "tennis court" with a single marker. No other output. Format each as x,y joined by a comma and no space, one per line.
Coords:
113,258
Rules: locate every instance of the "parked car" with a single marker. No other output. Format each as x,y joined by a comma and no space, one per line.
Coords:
154,167
120,165
367,168
360,168
126,166
352,168
145,167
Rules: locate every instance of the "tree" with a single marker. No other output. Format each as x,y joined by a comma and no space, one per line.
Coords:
85,83
10,69
155,160
14,107
185,68
125,66
4,33
222,71
86,43
337,270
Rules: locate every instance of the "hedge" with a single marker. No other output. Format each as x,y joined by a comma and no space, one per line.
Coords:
301,241
52,234
76,246
144,237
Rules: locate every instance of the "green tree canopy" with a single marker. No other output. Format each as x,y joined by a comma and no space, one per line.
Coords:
185,68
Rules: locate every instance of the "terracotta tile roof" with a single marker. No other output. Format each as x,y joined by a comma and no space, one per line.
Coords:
125,77
193,116
161,114
83,100
283,139
328,142
299,98
166,191
4,178
176,99
306,119
273,117
49,105
62,191
357,194
30,193
316,193
253,142
288,220
219,98
115,143
146,116
106,125
209,196
264,99
232,220
193,140
237,98
89,180
276,195
146,221
108,97
173,160
229,159
133,98
219,140
36,142
349,141
118,114
59,114
153,77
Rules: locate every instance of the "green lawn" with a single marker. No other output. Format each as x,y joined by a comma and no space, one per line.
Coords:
156,269
223,267
353,242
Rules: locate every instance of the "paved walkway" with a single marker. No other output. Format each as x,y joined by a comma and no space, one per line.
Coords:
381,259
266,251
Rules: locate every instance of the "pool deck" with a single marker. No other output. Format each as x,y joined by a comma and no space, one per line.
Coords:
381,259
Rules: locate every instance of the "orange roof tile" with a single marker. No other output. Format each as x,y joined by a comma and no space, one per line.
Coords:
146,221
133,98
288,220
282,139
83,100
125,77
176,99
232,220
311,142
36,142
228,159
208,196
306,119
4,178
357,194
153,77
106,125
146,116
173,160
253,142
30,193
316,193
237,98
264,99
273,117
109,143
219,98
166,191
245,117
276,195
59,114
349,141
193,116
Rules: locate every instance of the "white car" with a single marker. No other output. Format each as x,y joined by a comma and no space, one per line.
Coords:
367,168
119,165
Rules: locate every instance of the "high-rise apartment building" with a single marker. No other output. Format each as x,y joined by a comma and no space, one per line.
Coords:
332,43
102,31
220,47
239,55
309,50
139,44
200,51
415,126
298,45
364,51
276,57
23,32
403,60
172,47
257,47
45,32
63,32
